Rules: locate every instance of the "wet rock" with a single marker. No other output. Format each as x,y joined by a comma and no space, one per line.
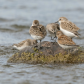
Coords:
48,48
50,52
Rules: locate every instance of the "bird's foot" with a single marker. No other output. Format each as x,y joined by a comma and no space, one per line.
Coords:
55,37
35,46
52,39
39,47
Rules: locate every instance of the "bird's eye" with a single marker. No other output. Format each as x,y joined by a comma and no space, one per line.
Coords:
60,19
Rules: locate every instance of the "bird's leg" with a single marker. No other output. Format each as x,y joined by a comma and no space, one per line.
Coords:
55,37
51,38
40,44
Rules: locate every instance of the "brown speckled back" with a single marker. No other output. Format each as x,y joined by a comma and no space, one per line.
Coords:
69,26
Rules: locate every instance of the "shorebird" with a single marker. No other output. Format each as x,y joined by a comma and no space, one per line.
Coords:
52,28
68,28
64,41
37,31
25,43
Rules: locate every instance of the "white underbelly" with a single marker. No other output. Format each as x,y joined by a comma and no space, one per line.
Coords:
50,34
65,46
67,33
20,48
37,37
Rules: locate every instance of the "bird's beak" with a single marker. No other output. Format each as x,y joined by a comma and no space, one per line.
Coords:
57,22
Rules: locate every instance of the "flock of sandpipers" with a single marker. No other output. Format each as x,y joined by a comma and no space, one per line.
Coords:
64,30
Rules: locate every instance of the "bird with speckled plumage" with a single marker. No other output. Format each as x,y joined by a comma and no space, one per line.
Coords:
52,28
68,28
37,31
24,44
64,41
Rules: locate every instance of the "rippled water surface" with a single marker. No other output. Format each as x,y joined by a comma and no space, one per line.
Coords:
16,17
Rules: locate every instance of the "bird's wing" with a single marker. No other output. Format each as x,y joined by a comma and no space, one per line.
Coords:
64,40
69,26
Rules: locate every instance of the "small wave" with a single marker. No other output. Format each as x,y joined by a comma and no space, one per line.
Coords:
6,30
4,20
20,26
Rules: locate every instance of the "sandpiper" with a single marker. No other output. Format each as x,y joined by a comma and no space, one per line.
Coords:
64,41
52,28
37,31
25,43
68,28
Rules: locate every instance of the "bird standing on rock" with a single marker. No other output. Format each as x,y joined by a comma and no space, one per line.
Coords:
65,42
52,28
37,31
68,28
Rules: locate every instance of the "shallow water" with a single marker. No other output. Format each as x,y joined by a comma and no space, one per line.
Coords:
16,17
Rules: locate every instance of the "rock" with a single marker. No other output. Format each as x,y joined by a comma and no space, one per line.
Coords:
49,53
48,48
